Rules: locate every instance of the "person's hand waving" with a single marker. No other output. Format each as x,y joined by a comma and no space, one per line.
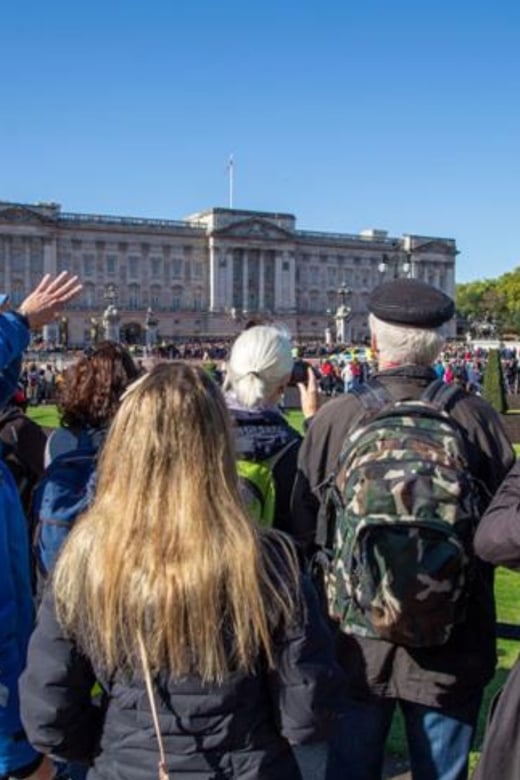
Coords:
45,301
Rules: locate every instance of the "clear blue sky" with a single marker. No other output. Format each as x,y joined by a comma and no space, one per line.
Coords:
395,114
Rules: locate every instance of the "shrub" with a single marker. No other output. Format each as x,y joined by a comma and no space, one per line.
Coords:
493,386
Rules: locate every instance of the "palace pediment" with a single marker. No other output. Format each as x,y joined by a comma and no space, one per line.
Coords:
20,214
254,228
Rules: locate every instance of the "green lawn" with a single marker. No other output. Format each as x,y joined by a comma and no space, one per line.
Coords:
507,591
46,416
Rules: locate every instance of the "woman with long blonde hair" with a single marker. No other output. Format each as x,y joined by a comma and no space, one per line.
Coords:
167,572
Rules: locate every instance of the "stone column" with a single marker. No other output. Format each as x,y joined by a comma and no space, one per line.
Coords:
50,255
245,281
292,281
450,279
229,282
277,281
214,303
261,281
27,264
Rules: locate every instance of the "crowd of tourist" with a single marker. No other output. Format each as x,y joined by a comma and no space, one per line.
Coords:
203,610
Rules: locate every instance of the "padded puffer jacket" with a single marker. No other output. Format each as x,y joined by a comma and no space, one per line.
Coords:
243,728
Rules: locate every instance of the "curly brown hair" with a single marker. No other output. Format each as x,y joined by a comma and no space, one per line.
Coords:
92,387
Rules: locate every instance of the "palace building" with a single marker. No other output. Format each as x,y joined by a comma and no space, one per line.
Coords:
204,275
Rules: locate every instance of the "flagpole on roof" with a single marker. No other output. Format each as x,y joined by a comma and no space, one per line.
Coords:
231,174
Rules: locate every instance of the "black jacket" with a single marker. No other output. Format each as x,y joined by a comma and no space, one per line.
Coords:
242,728
498,541
436,677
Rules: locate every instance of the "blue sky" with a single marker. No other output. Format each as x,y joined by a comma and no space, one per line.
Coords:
394,114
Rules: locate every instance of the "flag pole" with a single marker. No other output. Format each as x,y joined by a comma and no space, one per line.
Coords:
231,172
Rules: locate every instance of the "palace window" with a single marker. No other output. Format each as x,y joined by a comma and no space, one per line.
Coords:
89,295
36,257
63,262
156,267
133,266
155,297
314,274
177,298
134,296
111,264
198,300
88,265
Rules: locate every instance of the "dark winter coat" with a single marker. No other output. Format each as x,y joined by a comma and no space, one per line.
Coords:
498,541
446,675
23,443
241,729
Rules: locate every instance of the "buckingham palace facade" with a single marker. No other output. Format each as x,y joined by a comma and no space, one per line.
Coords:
204,275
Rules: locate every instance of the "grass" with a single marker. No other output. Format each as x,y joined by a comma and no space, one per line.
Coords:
46,416
507,593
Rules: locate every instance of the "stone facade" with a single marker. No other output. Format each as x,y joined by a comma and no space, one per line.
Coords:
204,275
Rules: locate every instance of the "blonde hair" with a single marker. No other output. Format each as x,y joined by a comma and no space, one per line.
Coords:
260,362
405,345
167,549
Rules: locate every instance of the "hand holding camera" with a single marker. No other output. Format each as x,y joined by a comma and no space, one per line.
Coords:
304,377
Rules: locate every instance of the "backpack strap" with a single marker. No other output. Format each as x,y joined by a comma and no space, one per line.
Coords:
273,461
442,394
372,395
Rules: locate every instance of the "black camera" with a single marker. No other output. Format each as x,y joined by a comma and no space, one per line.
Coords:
299,373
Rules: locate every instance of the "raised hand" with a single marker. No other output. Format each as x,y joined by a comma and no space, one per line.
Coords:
309,395
44,302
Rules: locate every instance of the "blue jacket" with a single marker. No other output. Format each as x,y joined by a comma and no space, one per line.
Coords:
14,338
16,607
16,622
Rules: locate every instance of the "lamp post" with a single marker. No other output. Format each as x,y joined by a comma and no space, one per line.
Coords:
343,313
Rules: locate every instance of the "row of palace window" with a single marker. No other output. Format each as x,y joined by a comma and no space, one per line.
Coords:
176,299
178,267
159,299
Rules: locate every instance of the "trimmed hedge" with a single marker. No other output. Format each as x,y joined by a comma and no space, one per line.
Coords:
493,386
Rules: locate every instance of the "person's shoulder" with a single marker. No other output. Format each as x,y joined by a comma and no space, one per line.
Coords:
339,406
473,404
61,440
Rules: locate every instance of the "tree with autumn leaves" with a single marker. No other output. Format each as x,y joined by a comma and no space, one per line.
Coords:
498,299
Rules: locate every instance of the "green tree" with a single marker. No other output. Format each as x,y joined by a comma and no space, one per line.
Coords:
496,298
493,386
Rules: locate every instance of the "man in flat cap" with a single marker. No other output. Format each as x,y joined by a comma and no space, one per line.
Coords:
438,689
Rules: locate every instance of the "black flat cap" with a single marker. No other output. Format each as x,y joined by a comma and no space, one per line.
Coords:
411,302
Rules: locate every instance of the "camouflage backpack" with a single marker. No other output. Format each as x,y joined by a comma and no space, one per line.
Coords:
401,510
